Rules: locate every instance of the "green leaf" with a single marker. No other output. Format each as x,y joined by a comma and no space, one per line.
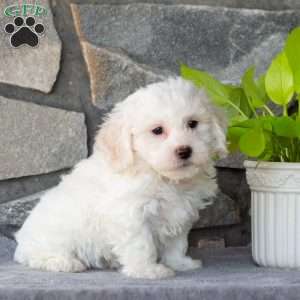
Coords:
266,124
286,127
239,98
252,143
191,74
251,89
215,89
261,86
218,92
263,122
267,155
233,137
235,133
292,50
250,123
236,120
279,80
233,95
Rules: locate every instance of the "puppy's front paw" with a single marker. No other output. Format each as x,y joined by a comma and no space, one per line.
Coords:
66,265
185,263
154,271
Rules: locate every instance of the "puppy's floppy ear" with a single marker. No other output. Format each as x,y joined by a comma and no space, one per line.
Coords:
114,141
219,129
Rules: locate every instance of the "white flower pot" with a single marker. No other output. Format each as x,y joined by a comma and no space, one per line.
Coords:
275,213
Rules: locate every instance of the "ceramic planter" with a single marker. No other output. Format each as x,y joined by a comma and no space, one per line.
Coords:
275,213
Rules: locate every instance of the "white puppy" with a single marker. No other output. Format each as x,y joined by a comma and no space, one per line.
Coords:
132,203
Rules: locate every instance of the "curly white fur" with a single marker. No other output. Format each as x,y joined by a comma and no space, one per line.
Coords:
131,204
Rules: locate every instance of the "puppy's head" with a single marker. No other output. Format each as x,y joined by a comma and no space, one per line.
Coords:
170,126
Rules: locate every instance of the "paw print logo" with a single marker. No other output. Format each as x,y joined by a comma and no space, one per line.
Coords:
24,32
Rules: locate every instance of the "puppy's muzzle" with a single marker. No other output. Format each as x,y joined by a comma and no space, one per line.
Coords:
184,152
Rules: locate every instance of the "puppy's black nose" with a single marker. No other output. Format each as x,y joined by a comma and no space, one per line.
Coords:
184,152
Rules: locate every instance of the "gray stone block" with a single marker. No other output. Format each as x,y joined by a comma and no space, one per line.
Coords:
252,4
219,40
16,188
222,212
234,160
114,76
211,243
7,249
14,213
35,68
233,183
233,235
37,139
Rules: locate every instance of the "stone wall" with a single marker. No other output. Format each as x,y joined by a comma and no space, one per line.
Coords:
92,55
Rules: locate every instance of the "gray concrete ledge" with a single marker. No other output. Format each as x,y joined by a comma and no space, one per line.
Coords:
228,274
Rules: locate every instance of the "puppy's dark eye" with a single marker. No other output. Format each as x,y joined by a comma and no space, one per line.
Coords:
192,124
158,130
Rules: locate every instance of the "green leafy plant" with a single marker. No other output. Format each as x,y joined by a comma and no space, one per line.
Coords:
254,127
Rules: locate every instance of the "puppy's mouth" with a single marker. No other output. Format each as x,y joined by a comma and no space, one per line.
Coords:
184,165
177,167
184,170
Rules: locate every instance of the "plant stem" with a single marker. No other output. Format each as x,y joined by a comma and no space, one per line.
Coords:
297,152
251,107
298,99
237,108
268,110
292,150
285,110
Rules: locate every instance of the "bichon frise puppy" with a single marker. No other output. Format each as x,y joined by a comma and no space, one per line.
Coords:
131,204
